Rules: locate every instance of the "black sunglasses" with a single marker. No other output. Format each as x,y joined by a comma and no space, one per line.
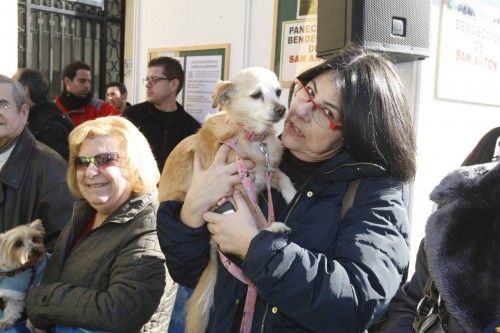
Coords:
99,160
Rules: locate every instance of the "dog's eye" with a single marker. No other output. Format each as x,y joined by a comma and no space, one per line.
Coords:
36,240
257,95
18,243
278,92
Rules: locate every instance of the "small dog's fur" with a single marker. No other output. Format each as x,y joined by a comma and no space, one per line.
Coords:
249,104
20,247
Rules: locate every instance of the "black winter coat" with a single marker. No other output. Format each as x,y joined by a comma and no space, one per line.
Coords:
460,252
328,275
50,126
33,185
163,130
112,279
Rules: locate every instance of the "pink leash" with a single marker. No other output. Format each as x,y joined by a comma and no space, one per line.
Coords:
248,310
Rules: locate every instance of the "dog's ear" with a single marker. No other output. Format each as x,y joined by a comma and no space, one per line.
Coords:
222,92
37,224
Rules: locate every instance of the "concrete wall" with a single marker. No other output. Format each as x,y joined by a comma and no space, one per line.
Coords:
246,25
446,130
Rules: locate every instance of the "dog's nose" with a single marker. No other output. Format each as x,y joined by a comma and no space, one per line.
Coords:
279,112
34,252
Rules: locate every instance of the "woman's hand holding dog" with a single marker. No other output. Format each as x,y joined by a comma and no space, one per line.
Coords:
234,232
209,186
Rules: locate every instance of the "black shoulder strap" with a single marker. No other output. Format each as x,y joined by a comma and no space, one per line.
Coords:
349,195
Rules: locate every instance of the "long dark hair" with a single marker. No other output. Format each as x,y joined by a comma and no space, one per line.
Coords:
377,124
483,151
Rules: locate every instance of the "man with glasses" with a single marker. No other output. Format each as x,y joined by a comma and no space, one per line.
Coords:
76,100
32,175
161,119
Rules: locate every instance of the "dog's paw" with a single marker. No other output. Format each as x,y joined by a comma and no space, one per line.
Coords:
278,227
283,184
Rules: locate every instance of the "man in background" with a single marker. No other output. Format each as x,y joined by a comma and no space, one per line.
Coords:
161,119
116,95
32,175
45,121
76,99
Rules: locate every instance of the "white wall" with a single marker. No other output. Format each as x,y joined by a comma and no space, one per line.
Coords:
172,23
8,26
446,130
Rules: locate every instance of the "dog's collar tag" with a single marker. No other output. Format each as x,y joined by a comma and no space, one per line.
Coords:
263,149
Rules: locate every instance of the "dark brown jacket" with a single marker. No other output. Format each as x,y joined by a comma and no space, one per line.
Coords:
33,185
113,279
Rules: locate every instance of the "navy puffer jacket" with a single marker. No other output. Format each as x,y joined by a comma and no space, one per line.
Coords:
328,275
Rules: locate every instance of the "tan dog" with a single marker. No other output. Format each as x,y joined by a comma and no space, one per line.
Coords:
22,256
250,107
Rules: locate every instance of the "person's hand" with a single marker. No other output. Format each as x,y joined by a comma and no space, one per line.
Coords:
209,186
33,329
233,232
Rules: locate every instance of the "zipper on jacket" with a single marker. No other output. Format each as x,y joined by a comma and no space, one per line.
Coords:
297,197
264,319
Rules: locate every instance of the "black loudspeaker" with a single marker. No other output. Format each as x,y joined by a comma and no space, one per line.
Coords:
399,28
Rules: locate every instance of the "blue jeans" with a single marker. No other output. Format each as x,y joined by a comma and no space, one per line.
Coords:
178,317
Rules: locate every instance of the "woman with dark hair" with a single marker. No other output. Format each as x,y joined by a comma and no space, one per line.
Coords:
485,149
455,285
349,150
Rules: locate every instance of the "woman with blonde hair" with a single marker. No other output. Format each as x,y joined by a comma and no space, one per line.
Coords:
107,272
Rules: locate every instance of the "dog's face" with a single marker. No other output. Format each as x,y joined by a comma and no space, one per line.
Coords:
251,98
22,245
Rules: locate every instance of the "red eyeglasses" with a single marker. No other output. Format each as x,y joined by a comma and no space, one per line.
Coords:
322,116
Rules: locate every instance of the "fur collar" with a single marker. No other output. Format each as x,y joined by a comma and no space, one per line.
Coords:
462,244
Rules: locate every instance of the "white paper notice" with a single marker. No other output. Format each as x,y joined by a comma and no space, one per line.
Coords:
202,73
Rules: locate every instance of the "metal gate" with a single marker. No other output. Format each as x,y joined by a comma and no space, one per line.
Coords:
52,33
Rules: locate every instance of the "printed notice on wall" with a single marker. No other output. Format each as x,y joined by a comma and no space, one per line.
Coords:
202,73
469,51
298,48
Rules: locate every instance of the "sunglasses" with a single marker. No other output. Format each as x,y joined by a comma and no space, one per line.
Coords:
99,160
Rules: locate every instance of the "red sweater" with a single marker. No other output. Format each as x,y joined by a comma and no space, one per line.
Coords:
95,109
